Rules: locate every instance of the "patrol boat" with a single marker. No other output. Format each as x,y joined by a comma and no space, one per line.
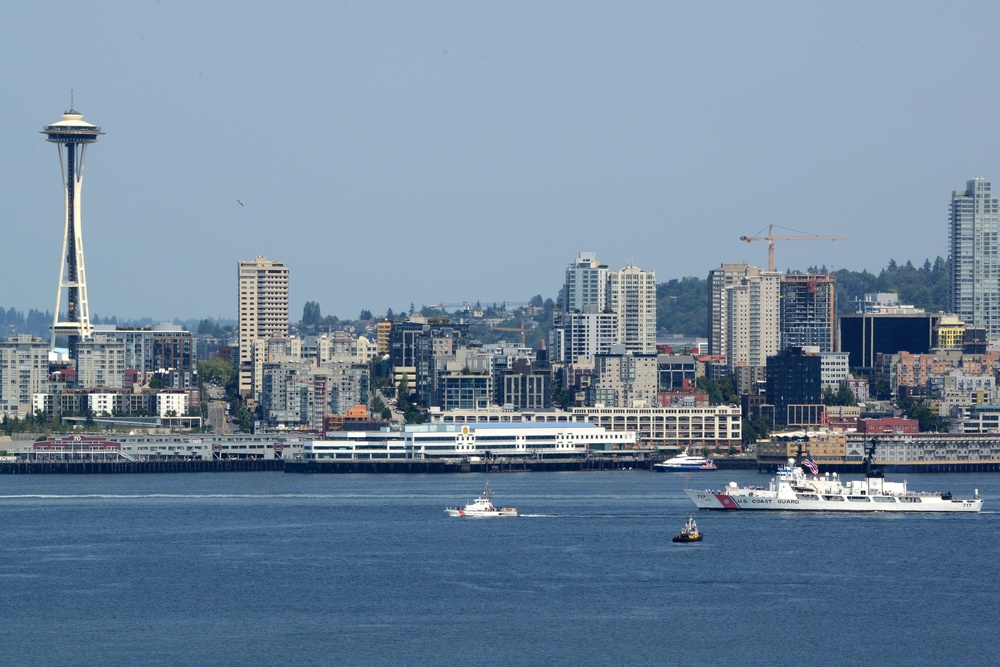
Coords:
481,508
793,489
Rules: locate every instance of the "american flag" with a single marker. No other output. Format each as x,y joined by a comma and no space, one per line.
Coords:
811,465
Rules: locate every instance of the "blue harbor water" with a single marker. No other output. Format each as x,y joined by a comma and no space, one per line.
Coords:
278,569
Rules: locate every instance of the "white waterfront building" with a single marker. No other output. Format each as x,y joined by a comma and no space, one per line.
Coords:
440,441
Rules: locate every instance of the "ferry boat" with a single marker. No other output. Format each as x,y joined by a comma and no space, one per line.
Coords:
481,508
689,533
685,462
793,489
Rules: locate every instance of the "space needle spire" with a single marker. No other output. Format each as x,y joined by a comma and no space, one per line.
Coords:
71,136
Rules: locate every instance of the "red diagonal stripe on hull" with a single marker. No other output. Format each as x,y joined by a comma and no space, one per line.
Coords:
727,501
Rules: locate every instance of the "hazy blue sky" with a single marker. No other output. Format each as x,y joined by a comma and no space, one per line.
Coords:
398,152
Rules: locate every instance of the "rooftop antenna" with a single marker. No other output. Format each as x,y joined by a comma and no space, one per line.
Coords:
71,107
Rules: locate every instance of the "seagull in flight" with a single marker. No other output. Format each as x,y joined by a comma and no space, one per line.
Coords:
239,202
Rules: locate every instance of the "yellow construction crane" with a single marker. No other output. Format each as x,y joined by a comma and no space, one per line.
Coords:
521,329
771,238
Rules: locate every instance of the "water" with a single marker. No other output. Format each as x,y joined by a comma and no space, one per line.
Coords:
277,569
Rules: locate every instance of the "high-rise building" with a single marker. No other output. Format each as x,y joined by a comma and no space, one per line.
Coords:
622,379
974,254
524,384
24,372
161,347
746,316
794,379
71,135
583,334
632,296
866,335
100,362
808,310
586,284
592,298
727,275
263,309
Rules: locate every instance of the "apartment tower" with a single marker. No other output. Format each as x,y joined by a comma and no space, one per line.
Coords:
751,318
632,296
744,316
808,310
727,275
586,284
974,254
263,309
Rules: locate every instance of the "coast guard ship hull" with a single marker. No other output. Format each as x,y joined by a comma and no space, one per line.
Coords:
765,500
792,489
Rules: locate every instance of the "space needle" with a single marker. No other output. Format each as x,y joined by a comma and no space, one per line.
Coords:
71,135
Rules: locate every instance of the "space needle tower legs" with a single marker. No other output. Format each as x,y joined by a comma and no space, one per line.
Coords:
71,135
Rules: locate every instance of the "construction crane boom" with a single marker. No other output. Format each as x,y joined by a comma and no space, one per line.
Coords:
771,238
520,329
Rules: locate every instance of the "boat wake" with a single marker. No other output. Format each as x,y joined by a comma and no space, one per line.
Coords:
160,496
585,516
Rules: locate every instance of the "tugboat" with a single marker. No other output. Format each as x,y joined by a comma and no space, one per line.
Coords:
481,508
689,533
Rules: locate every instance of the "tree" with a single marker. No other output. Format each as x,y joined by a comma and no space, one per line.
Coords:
216,371
209,328
155,382
720,392
682,306
915,409
880,390
241,414
389,315
311,315
762,427
365,315
563,397
406,404
845,396
829,396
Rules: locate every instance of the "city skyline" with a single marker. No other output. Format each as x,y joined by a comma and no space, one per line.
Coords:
461,143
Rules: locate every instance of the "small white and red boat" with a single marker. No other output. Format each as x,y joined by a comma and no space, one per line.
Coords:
481,508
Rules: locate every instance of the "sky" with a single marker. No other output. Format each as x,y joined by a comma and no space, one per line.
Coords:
438,152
